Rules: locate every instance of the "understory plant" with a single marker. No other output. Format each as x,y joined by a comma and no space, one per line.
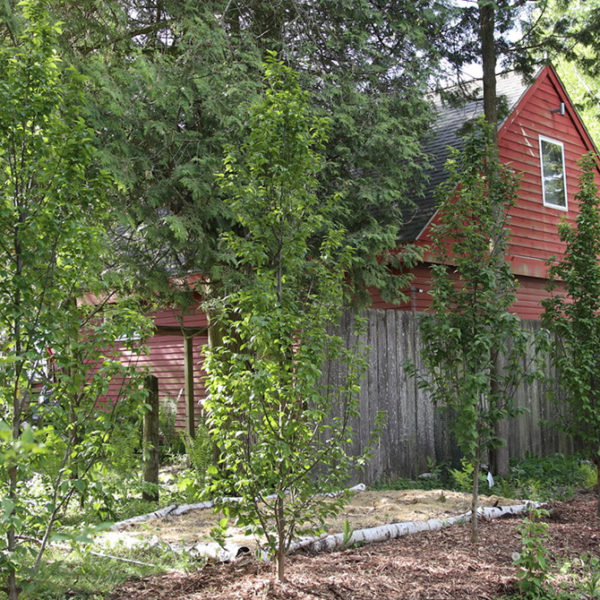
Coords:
542,479
532,562
280,427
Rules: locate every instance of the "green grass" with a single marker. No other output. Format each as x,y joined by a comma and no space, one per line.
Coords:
78,574
122,498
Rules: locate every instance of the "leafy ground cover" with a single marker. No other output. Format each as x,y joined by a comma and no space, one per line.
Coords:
555,477
433,565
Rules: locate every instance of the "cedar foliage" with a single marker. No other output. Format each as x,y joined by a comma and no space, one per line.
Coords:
171,83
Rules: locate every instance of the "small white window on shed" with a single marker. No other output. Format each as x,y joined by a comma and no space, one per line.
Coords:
554,182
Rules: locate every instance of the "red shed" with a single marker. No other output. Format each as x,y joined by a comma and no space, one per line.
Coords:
175,336
542,138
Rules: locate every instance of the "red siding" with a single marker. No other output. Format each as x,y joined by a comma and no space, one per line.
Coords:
530,293
418,296
169,317
533,227
165,360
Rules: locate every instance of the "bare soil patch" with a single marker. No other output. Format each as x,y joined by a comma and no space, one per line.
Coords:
430,565
364,509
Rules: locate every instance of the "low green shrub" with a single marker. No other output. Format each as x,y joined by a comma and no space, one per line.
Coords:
436,477
532,562
574,578
200,450
171,442
542,479
463,479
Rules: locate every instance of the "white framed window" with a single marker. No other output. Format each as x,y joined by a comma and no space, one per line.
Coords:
554,179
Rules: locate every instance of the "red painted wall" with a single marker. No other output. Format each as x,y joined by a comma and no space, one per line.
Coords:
530,293
533,227
165,360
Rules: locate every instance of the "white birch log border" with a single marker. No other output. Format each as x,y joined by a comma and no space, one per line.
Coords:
396,530
213,551
174,510
216,553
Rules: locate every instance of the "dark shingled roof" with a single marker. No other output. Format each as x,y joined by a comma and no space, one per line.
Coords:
446,132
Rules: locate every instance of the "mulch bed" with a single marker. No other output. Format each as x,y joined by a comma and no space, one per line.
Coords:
432,565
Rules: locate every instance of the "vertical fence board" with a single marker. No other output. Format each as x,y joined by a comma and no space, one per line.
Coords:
403,426
415,430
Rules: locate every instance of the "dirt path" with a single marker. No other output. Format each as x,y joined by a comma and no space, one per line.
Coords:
434,565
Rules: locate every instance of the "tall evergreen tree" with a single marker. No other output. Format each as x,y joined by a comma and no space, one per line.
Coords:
170,78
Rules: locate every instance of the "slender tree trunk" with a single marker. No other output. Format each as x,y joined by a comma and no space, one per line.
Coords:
73,401
281,545
487,25
190,424
281,562
475,499
13,590
216,333
499,463
17,399
597,463
487,18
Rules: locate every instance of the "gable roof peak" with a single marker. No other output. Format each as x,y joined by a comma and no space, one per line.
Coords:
450,123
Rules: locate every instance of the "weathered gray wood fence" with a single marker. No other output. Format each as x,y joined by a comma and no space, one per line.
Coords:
416,431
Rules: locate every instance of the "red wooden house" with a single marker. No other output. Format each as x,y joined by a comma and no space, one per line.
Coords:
175,336
542,138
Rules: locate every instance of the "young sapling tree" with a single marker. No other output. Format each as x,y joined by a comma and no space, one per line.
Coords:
573,314
473,289
280,429
55,347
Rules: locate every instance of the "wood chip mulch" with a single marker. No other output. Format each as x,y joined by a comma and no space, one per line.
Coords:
434,565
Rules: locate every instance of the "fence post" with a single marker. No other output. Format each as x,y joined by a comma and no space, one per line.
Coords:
151,440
